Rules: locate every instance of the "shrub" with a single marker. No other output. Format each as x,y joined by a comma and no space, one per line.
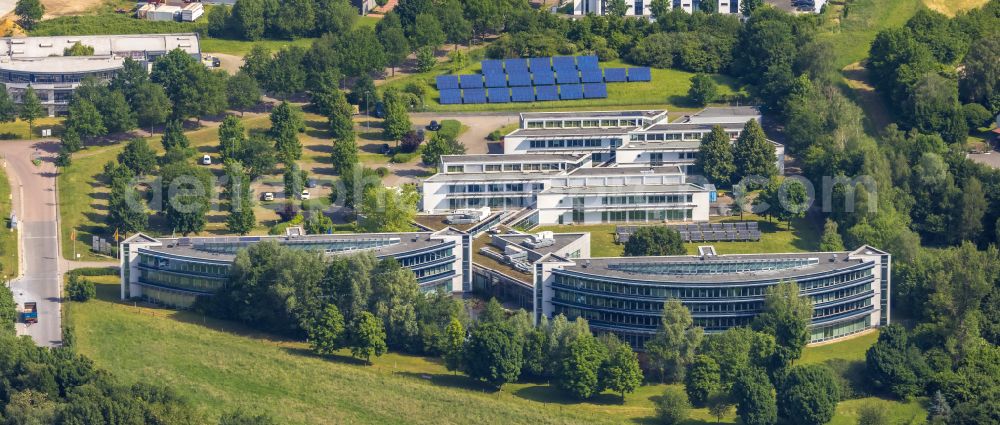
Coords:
976,115
673,406
411,141
382,171
495,136
79,289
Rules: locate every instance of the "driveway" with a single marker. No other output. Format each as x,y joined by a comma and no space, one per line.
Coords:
33,189
480,126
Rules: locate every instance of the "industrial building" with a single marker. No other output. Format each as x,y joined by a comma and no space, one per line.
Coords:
40,62
177,271
177,10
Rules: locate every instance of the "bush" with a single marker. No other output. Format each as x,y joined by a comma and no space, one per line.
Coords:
673,406
495,136
79,289
95,271
411,141
976,115
382,171
10,136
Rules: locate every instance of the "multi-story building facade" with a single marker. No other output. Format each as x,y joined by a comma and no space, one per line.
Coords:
565,188
177,271
41,63
629,138
644,7
849,290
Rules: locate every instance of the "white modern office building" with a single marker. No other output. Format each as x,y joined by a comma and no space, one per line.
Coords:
643,7
566,188
41,63
629,138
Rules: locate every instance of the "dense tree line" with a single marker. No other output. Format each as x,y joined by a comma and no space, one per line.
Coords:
254,20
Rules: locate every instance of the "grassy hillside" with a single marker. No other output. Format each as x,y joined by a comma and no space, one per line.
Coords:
220,366
8,238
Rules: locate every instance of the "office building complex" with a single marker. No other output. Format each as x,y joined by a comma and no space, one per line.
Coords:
177,271
565,188
41,62
644,7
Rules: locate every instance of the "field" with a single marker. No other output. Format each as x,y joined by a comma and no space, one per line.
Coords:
775,237
952,7
852,35
668,88
19,129
8,238
232,368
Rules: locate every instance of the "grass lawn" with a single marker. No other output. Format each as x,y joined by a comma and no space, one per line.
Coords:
667,89
83,200
852,35
18,129
8,238
851,349
242,47
775,237
952,7
232,367
104,21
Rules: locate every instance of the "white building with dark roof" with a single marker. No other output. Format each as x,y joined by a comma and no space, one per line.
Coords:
41,63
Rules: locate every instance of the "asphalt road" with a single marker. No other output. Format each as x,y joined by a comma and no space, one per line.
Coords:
35,202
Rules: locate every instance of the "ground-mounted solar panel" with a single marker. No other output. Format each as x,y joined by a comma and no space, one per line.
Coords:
471,81
445,82
591,75
522,94
567,76
498,95
492,65
514,65
570,91
595,91
496,80
543,78
564,62
639,74
522,78
451,96
474,95
540,64
615,75
547,92
587,62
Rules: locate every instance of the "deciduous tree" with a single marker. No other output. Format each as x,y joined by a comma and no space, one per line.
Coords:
753,154
493,355
672,407
787,316
715,157
654,241
241,219
367,337
703,90
808,395
673,346
31,110
327,331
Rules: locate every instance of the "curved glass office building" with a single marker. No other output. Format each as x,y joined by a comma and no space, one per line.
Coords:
175,272
849,290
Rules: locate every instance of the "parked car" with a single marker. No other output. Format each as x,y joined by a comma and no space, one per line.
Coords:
386,150
311,183
305,194
267,196
379,110
433,126
206,160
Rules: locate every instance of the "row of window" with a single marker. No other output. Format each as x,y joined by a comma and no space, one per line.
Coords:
646,199
168,298
840,329
433,271
597,301
643,215
676,136
809,285
820,313
507,201
425,257
183,266
566,143
187,282
495,187
841,294
583,123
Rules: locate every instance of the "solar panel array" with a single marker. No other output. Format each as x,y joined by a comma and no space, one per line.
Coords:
536,79
703,232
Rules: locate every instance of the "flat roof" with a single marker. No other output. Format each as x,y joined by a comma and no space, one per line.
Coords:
494,176
104,45
685,126
650,113
406,242
562,240
727,111
639,145
562,132
541,157
62,64
643,268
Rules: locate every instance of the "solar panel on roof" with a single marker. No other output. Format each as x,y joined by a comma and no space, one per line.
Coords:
595,91
639,74
570,91
540,64
492,65
546,93
543,78
586,62
447,82
521,78
471,81
614,75
564,62
451,96
515,65
474,96
567,76
499,95
592,76
522,94
496,80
